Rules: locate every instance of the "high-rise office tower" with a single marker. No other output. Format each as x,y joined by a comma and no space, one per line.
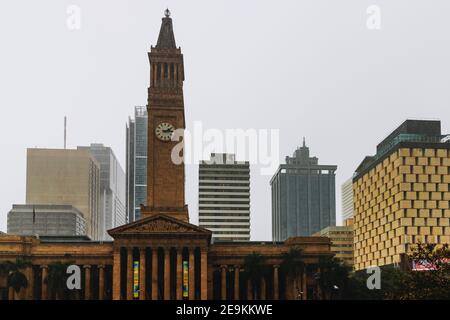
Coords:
402,194
65,177
136,163
347,199
224,197
112,212
303,196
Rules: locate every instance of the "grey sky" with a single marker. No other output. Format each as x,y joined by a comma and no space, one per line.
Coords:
310,68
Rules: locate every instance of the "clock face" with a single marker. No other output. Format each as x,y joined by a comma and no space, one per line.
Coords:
164,131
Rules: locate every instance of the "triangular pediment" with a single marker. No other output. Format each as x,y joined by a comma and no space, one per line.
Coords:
158,224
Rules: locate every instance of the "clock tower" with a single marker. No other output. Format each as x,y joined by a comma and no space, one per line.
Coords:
165,106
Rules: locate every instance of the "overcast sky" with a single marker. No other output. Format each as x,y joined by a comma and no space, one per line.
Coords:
309,68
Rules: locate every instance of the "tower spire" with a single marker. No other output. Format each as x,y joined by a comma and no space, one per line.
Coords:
304,142
166,38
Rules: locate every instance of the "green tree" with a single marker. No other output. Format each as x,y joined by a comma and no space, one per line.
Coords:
332,278
394,284
254,270
293,266
434,283
16,279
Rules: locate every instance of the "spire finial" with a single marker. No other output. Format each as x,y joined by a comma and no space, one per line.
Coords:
304,142
167,13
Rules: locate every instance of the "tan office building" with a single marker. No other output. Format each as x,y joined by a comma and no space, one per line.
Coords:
401,194
65,177
341,238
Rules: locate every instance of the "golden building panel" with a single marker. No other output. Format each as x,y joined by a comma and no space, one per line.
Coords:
403,197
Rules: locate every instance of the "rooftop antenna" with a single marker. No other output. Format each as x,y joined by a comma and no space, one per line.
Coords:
65,132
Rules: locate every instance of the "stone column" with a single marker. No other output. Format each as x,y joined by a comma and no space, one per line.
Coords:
288,288
11,294
87,282
29,291
166,273
236,282
191,274
204,274
319,290
223,282
154,273
101,282
179,270
142,280
176,72
44,288
263,288
210,281
276,288
116,274
304,284
154,66
129,273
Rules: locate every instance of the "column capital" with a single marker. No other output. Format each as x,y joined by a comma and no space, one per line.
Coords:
237,266
101,266
142,249
43,266
86,266
223,266
276,266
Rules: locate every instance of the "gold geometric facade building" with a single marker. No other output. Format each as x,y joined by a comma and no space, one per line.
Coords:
401,195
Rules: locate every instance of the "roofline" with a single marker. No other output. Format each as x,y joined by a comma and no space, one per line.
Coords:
299,166
403,144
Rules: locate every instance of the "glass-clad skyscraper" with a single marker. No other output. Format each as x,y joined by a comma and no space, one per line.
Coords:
303,196
136,163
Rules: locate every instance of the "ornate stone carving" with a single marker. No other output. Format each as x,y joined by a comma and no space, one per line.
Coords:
158,226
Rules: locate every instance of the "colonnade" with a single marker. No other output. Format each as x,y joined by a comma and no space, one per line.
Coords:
87,285
166,267
262,284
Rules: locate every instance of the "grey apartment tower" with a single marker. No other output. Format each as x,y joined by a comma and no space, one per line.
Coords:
303,196
136,163
224,197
